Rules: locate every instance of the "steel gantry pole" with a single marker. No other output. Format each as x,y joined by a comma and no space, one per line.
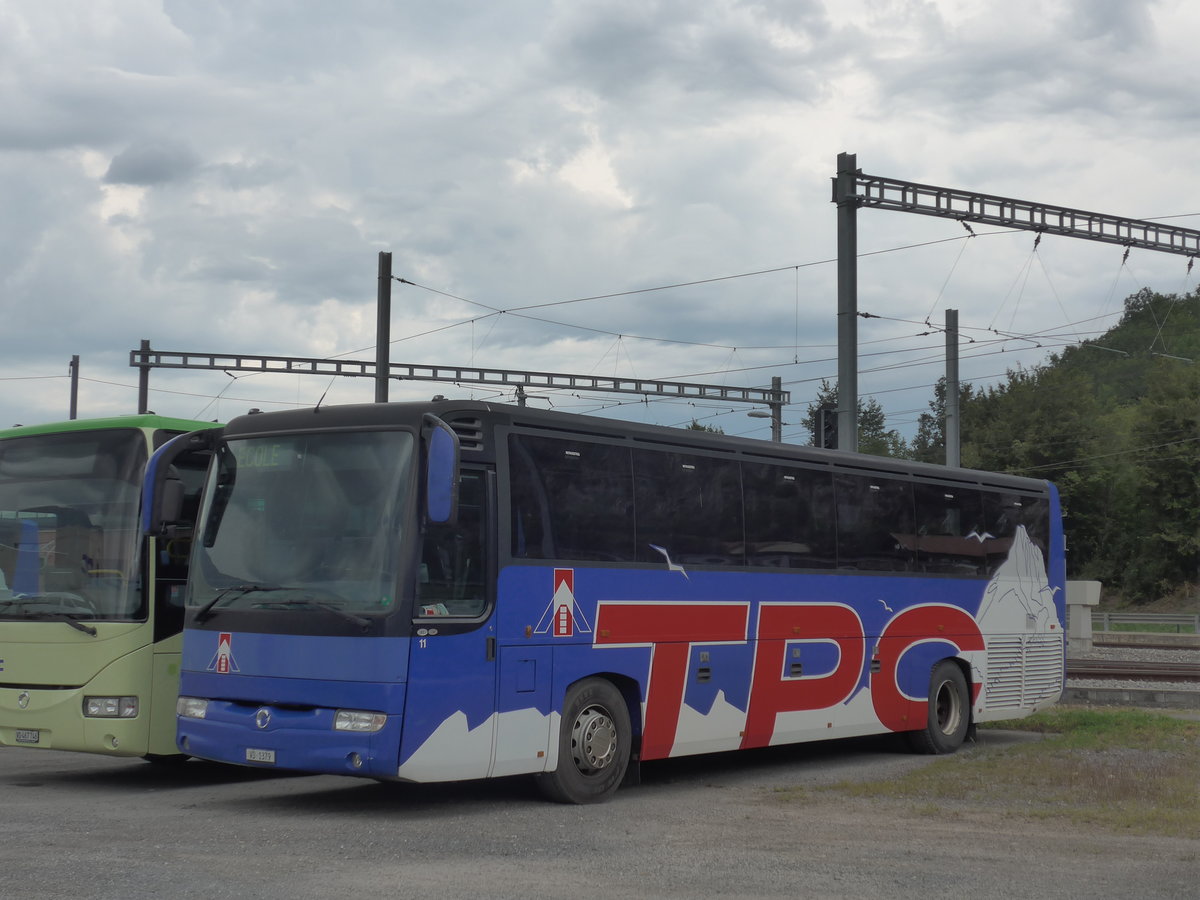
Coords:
73,369
845,196
383,327
143,379
852,189
952,429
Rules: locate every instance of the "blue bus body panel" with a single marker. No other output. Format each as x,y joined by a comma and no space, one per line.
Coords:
298,737
301,680
709,660
316,657
1058,554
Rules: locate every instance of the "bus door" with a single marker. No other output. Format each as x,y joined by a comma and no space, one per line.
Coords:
171,488
449,715
171,492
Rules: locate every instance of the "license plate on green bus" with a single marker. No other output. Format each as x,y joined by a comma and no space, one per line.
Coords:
260,756
27,736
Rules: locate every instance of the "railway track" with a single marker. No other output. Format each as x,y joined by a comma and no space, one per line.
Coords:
1134,670
1166,642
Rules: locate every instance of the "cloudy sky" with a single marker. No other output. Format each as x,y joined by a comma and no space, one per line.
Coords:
221,177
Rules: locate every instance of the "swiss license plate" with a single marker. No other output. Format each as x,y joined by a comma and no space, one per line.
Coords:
260,756
28,736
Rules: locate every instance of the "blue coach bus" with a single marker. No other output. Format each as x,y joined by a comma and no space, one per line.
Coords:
457,590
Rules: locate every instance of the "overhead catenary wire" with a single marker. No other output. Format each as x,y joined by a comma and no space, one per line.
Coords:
519,311
494,311
1116,453
199,396
774,365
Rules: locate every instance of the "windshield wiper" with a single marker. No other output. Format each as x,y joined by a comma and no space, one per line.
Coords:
73,622
69,618
316,604
205,612
49,598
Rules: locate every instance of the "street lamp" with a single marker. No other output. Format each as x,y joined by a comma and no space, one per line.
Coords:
776,421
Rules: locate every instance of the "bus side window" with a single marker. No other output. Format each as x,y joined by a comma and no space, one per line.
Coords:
453,569
1003,513
689,505
530,521
789,517
875,524
1035,516
571,500
951,537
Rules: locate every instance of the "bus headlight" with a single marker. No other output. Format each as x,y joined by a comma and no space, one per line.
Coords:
191,707
110,707
358,720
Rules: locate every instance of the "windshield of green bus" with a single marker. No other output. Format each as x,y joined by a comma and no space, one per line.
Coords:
69,533
303,523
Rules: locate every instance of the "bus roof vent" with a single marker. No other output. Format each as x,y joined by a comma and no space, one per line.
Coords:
469,430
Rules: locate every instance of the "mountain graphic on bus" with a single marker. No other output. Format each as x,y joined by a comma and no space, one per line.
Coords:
1019,597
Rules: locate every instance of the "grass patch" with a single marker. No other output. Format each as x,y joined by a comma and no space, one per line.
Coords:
1124,770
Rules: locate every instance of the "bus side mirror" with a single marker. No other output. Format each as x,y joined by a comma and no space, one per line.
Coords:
170,499
441,471
162,489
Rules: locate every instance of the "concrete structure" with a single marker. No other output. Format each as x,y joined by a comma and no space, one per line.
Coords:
1081,597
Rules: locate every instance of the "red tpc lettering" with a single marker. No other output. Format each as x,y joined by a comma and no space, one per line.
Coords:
772,692
670,629
919,625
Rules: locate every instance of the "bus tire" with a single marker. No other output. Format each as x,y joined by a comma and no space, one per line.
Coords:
593,744
949,711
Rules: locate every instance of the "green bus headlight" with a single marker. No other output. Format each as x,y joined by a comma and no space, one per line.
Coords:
110,707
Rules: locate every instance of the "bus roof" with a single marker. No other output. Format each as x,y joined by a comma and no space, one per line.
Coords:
383,415
148,420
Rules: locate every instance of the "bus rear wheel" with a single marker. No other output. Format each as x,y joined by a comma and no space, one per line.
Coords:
949,712
593,744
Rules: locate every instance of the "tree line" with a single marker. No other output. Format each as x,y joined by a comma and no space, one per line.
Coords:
1114,422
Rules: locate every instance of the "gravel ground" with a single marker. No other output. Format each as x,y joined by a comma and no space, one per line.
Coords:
757,824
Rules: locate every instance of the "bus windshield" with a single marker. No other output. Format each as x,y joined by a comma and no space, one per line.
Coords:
303,523
69,525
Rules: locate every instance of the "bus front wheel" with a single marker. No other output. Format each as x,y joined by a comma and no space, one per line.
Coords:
593,744
949,712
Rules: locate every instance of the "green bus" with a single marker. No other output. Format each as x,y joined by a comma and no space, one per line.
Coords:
91,607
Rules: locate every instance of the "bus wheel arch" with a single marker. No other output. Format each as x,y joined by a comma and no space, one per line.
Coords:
595,744
949,713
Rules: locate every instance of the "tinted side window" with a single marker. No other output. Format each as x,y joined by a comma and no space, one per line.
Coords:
875,525
453,572
789,517
951,537
1003,513
691,506
571,500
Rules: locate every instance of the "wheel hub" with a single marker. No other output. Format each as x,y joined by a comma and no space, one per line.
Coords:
949,712
593,739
